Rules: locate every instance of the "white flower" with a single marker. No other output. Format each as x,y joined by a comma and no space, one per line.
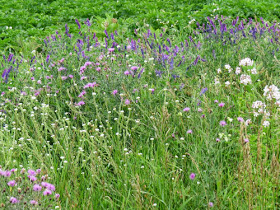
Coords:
237,70
245,79
227,83
266,123
271,92
246,62
219,70
254,71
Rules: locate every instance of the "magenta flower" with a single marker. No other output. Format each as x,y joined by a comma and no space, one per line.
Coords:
187,109
111,49
50,187
221,104
127,102
12,183
133,68
114,92
80,103
216,101
57,195
246,140
210,204
126,73
240,119
7,174
192,176
64,77
31,172
47,192
82,94
32,178
13,200
37,187
71,76
38,171
98,69
61,69
13,170
44,184
218,140
33,202
223,123
190,131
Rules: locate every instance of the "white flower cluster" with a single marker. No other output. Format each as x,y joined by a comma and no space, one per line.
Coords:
259,108
246,62
245,79
271,92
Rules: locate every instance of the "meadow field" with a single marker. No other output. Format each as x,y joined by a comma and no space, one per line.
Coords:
139,104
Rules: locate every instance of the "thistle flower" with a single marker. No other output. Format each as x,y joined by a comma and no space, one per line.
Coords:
13,200
223,123
37,187
192,176
47,192
12,183
33,202
221,104
187,109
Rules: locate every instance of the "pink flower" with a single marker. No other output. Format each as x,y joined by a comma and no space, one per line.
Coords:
190,131
111,49
12,183
199,110
61,69
210,204
240,119
37,187
133,68
114,92
246,140
187,109
98,69
218,140
38,171
47,192
216,101
33,202
223,123
126,73
82,94
32,178
13,200
31,172
221,104
71,76
80,103
57,195
7,173
50,187
64,77
127,102
192,176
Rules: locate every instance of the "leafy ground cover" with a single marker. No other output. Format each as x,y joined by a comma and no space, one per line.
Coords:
160,120
32,20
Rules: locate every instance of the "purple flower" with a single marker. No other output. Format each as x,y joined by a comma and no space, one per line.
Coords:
47,192
240,119
13,200
33,202
57,195
50,187
32,178
190,131
82,94
203,91
111,49
79,25
7,173
187,109
126,73
216,101
223,123
114,92
133,68
218,140
61,69
210,204
246,140
64,77
71,76
80,103
12,183
221,104
127,102
192,176
37,187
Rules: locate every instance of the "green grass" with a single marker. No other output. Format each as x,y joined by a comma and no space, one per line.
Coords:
136,149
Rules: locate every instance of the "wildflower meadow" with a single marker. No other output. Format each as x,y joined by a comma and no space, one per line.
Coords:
153,119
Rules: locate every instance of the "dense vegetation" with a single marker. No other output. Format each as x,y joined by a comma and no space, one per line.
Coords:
124,111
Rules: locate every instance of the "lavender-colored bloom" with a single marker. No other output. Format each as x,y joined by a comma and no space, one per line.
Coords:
218,140
210,204
240,119
203,91
10,57
12,183
47,192
139,75
37,187
33,202
111,49
223,123
13,200
190,131
221,104
192,176
57,195
134,68
50,187
32,178
187,109
81,103
127,102
114,92
126,73
48,59
246,140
